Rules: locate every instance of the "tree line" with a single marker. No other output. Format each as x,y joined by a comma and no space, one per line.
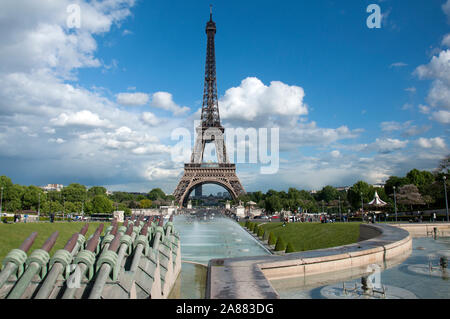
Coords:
418,190
75,199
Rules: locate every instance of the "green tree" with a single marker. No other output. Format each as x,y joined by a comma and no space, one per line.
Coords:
273,204
96,190
51,207
102,205
30,198
394,181
74,193
328,193
155,194
124,208
354,194
145,203
420,178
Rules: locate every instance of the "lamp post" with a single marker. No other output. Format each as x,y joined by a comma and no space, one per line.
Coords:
395,205
39,206
340,214
1,203
445,191
362,206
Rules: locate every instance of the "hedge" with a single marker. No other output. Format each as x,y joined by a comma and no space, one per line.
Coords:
281,245
272,239
290,248
260,232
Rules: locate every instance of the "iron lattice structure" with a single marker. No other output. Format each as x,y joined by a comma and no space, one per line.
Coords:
197,173
210,109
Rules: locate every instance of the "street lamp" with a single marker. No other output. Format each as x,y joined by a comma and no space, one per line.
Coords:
445,191
362,206
39,205
395,205
1,203
340,215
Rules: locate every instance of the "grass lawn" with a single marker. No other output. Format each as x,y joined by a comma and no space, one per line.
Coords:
12,235
310,236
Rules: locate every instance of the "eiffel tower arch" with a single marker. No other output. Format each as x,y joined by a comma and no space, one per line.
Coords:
197,173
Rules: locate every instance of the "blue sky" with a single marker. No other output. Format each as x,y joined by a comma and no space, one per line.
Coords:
97,104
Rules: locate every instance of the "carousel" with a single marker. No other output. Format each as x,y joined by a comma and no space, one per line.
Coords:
376,204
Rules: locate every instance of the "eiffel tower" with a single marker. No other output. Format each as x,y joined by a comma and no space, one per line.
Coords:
197,173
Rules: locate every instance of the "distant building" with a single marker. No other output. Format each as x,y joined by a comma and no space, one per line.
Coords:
109,192
343,188
379,185
52,187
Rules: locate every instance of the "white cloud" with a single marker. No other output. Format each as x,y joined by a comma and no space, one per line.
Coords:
391,126
309,134
49,130
442,116
253,100
407,128
398,65
133,99
424,109
436,142
57,140
82,118
335,154
406,106
439,71
388,145
164,100
157,171
150,118
446,40
152,149
411,90
446,9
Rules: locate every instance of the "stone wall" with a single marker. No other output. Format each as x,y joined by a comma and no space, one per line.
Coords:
249,277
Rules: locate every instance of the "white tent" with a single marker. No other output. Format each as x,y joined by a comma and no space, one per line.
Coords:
377,201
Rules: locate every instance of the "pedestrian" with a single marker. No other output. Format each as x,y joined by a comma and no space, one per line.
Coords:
25,218
434,217
52,217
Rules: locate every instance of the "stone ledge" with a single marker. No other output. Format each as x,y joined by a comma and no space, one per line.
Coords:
248,277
